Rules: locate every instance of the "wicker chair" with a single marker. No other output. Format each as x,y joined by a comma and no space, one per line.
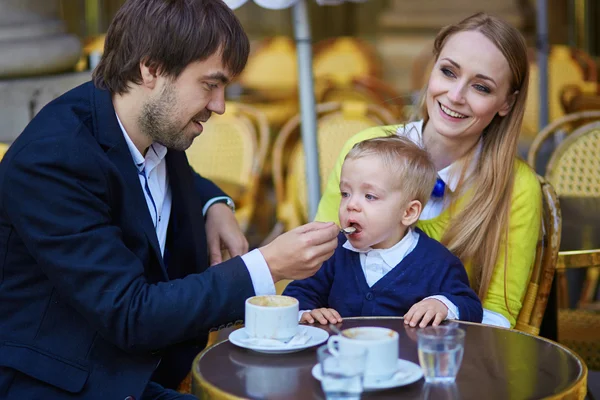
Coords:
232,151
270,79
579,329
341,59
365,89
565,68
574,170
540,283
562,126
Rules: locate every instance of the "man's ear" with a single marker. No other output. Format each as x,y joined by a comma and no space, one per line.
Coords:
508,105
412,212
149,73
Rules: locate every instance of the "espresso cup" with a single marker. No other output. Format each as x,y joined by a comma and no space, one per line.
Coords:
381,344
271,317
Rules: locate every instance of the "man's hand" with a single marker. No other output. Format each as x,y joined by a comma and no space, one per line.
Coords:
223,232
299,253
425,311
322,315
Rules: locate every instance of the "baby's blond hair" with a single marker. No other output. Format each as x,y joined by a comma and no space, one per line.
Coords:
411,164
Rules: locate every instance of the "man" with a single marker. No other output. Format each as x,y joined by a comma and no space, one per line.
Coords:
103,252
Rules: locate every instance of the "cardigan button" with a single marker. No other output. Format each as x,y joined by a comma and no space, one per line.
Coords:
369,296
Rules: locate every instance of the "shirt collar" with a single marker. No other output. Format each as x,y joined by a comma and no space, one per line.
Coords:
156,151
414,131
394,254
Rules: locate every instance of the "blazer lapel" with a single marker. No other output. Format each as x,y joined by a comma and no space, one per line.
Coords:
187,239
110,136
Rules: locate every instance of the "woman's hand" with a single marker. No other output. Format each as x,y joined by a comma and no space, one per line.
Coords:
426,311
323,315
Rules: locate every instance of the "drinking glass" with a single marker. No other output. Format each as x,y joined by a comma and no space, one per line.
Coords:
440,352
342,373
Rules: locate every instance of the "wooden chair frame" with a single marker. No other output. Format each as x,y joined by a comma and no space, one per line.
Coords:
553,127
540,282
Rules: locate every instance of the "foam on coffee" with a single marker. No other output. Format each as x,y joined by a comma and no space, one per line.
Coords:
360,334
273,301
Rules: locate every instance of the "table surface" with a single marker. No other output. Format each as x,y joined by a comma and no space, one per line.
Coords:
498,364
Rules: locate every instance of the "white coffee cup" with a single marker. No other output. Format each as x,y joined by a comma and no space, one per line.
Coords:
381,344
271,317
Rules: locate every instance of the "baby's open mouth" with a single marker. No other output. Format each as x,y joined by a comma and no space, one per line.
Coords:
352,228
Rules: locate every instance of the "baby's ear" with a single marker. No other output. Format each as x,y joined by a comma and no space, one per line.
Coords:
412,212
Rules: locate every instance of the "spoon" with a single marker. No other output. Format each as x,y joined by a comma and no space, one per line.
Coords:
348,231
336,330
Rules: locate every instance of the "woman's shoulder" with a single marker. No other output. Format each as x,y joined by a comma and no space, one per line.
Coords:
526,180
373,132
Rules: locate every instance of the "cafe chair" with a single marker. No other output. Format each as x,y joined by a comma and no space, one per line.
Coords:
272,69
574,170
342,59
270,80
573,99
557,130
579,329
565,68
540,282
366,89
231,151
336,123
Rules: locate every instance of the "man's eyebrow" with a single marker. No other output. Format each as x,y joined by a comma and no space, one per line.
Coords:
217,76
487,78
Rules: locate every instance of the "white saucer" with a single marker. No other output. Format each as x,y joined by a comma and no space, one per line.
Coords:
408,372
317,336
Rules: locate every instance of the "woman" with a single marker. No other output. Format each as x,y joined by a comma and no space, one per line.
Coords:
472,109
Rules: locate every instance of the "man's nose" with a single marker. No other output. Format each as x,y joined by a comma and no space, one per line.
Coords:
217,103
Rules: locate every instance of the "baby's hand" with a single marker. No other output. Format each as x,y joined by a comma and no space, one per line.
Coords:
322,315
425,311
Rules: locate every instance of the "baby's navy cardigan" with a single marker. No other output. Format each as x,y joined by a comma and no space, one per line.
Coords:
430,269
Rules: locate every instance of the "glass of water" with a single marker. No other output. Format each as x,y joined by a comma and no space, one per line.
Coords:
440,352
342,374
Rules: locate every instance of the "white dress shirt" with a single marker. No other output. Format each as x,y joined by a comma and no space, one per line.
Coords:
435,206
152,171
375,263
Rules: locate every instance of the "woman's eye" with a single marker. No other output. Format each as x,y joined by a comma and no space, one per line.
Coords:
447,72
481,88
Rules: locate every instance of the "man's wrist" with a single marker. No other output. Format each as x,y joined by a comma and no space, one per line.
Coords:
219,200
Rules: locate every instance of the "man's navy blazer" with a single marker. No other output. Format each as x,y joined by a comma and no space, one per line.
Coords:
88,307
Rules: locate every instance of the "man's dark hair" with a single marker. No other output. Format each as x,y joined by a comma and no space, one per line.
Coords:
169,35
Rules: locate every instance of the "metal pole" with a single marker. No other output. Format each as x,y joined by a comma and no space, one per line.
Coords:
542,60
307,105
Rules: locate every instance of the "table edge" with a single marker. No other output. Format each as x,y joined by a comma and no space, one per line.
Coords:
577,386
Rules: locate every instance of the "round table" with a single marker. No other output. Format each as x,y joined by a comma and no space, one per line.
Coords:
498,364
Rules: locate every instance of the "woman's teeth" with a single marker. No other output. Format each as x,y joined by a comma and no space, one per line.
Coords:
451,113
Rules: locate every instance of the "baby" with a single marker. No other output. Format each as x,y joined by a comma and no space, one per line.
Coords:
386,266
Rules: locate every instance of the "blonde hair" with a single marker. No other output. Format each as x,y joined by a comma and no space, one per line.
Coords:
410,163
477,231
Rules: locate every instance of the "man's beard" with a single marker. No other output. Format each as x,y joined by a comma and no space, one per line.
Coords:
156,121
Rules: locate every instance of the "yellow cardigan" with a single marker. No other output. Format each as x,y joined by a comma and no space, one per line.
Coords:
525,219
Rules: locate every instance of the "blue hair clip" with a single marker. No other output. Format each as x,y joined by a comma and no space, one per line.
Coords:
439,188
